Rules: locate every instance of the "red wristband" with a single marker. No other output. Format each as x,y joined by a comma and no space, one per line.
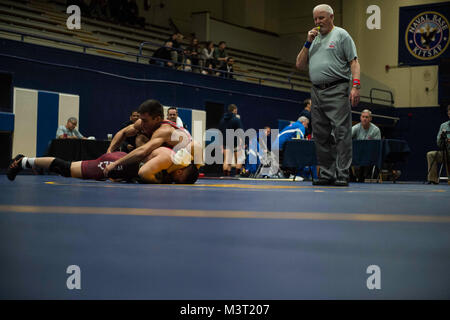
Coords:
356,82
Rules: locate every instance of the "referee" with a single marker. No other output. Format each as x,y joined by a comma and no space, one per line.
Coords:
331,55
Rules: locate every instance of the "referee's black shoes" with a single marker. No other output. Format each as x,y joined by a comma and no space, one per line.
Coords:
341,183
326,182
323,182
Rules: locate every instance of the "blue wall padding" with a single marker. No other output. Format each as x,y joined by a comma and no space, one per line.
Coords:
186,116
6,121
47,120
283,124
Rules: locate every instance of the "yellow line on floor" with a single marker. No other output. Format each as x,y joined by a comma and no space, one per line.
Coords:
226,214
241,186
250,187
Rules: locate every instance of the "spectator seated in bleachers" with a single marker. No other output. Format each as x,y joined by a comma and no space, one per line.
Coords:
220,54
193,53
227,68
176,53
208,55
209,69
165,54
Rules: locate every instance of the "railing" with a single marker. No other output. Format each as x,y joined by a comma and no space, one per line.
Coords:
380,116
381,90
200,67
85,47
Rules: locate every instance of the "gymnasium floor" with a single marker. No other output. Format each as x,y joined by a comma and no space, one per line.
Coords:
222,239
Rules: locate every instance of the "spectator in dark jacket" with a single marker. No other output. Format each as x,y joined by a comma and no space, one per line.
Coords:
233,150
307,113
193,53
176,53
163,53
208,55
220,54
227,68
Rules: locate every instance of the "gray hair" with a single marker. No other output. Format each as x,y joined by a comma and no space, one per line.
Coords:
73,120
303,119
324,7
367,111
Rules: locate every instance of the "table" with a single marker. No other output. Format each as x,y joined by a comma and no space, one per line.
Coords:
301,153
395,150
77,149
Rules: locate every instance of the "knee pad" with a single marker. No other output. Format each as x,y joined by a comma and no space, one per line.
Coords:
61,167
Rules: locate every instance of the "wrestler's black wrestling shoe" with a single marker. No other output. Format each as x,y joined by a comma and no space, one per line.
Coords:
14,167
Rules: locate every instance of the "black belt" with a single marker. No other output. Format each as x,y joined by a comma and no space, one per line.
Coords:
330,84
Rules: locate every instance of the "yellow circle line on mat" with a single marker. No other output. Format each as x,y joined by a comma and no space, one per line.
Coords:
368,217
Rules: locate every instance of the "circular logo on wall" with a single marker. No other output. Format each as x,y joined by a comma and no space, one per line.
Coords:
427,35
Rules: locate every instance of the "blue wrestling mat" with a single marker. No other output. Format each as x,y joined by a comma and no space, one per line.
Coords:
222,239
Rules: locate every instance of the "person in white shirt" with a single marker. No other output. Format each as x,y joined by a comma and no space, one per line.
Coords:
172,115
68,131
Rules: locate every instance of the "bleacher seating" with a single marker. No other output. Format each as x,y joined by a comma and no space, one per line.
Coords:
48,17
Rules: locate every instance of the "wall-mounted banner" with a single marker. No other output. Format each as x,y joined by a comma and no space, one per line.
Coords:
423,34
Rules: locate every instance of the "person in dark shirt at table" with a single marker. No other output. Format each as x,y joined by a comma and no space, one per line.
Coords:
306,112
68,131
130,142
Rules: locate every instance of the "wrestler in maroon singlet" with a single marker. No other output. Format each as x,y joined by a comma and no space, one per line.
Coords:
93,169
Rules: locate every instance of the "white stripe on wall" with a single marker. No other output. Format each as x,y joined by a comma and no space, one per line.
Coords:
165,111
197,135
69,106
25,122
